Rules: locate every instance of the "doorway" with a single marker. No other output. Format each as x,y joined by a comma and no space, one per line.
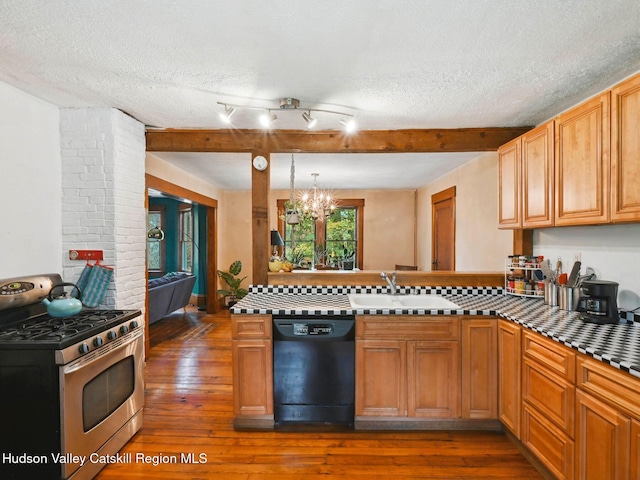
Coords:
443,230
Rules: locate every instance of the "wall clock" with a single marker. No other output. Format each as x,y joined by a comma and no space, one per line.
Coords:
260,163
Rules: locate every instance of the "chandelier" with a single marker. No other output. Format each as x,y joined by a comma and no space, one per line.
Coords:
267,118
315,202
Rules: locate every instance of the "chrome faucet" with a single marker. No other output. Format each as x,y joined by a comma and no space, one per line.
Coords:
393,287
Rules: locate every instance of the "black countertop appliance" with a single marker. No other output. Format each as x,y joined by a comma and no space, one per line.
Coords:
598,302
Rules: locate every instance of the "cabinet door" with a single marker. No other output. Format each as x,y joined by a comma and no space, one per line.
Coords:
634,473
252,377
509,185
537,176
433,385
602,440
479,369
509,375
381,378
552,446
625,151
582,164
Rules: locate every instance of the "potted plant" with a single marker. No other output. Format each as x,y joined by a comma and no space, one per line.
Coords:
348,261
235,292
292,212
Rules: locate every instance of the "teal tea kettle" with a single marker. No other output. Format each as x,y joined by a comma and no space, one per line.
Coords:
62,305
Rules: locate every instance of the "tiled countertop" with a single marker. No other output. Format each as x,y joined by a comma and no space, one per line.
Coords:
617,345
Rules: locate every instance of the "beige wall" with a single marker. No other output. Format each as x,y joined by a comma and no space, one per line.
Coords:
389,225
164,170
234,232
480,246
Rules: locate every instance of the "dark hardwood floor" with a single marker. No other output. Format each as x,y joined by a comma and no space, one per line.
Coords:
189,410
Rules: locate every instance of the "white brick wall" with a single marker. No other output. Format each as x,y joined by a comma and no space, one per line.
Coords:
103,157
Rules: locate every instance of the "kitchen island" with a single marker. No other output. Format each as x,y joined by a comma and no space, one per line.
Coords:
559,386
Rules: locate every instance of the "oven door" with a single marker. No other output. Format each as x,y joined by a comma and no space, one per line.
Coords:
100,393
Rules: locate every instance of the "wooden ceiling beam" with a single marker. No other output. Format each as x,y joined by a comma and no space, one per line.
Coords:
332,141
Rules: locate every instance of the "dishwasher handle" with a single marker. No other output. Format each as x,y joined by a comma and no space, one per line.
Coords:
310,329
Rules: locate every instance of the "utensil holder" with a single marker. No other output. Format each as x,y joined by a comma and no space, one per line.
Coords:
569,298
551,294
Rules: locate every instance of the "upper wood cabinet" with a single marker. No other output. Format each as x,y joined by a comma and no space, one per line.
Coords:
625,151
509,185
525,171
537,176
582,164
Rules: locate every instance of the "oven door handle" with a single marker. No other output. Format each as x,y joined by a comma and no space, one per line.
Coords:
99,353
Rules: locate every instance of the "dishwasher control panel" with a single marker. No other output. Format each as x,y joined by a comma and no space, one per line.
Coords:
312,328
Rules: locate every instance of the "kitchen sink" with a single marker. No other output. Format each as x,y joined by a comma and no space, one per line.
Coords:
426,302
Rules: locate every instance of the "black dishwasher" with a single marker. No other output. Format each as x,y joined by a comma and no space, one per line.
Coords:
314,370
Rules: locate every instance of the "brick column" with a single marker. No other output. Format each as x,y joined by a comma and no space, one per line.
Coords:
103,184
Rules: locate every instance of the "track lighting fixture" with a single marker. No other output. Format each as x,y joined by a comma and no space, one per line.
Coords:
287,104
311,122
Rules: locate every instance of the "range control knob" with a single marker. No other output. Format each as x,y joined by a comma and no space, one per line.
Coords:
133,324
97,342
84,348
124,329
112,335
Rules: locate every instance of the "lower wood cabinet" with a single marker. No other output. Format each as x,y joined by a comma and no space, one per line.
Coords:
509,375
381,378
252,351
550,444
602,440
422,367
479,368
634,469
433,379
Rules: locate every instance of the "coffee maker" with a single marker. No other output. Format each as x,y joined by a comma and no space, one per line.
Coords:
598,302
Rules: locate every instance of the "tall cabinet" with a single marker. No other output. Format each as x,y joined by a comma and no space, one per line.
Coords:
625,151
525,171
582,164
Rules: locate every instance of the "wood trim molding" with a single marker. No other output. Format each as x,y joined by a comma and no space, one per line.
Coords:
173,189
405,278
332,141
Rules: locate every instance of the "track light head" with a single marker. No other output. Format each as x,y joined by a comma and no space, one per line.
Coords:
266,119
311,122
226,115
349,125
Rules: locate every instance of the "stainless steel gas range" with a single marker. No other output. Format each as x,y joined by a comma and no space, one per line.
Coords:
72,387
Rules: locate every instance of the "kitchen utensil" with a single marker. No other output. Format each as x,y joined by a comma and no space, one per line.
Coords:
558,267
562,279
545,266
575,272
62,306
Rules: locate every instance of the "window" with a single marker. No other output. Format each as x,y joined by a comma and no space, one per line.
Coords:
185,239
326,241
155,249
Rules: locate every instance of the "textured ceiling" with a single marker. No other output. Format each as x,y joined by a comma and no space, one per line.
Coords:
391,63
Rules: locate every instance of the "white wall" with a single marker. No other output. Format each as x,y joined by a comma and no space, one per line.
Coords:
613,251
480,246
30,185
103,160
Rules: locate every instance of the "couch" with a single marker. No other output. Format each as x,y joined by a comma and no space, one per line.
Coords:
169,293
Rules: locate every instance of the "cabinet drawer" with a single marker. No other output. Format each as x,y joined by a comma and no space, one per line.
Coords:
552,395
405,327
609,385
557,358
551,445
250,326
